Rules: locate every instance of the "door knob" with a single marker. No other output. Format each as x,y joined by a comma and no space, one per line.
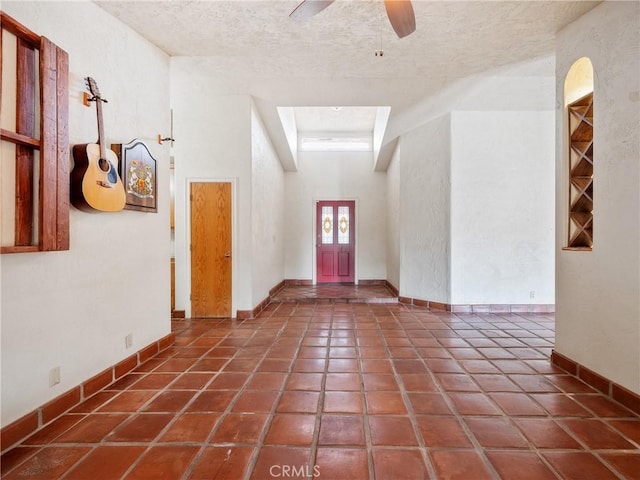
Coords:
227,255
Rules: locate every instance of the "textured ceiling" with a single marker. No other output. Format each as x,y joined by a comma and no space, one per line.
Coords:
451,38
253,47
335,119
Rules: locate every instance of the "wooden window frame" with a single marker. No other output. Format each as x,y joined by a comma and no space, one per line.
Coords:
53,143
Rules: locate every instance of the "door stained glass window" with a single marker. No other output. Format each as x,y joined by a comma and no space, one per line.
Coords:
343,225
335,241
327,225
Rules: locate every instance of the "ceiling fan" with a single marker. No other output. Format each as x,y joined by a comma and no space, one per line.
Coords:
400,13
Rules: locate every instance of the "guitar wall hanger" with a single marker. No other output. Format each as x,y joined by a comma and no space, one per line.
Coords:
161,140
86,99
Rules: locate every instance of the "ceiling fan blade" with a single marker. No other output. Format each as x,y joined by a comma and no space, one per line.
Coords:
401,16
308,8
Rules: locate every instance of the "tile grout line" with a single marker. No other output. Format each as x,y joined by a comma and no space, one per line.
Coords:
509,417
220,419
155,442
103,442
365,414
459,417
253,459
406,319
511,420
167,427
431,471
313,454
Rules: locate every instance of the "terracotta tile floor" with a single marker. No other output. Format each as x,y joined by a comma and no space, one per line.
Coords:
343,391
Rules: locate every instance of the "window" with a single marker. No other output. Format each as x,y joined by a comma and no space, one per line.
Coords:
327,225
335,143
343,225
35,142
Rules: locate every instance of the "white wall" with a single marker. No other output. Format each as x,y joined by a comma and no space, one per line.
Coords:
213,143
425,191
476,197
502,207
267,212
335,176
73,309
598,292
393,219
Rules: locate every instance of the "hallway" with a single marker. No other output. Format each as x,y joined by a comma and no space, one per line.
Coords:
343,390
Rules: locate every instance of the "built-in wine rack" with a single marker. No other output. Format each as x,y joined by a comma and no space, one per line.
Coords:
581,173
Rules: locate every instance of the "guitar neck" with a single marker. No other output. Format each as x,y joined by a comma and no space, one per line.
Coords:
101,140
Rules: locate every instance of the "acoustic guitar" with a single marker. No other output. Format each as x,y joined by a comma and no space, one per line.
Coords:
95,183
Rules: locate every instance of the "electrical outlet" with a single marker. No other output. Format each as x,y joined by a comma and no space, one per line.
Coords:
532,294
54,376
128,341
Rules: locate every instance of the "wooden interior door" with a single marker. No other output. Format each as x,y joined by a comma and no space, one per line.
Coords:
210,249
335,241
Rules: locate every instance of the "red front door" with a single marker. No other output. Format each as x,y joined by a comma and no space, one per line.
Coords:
335,242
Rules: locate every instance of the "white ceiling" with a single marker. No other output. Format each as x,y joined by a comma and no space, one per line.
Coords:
451,37
335,119
252,47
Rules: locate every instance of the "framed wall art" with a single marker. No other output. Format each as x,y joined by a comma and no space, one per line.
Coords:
138,170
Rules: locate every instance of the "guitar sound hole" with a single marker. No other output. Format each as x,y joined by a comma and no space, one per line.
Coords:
104,165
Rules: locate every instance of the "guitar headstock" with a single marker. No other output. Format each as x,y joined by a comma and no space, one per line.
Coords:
93,88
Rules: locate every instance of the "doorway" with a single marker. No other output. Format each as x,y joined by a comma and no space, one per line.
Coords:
335,241
211,241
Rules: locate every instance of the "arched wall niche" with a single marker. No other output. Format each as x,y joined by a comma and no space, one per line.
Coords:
578,118
579,80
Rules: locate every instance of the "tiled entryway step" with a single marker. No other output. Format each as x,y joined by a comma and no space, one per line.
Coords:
335,293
